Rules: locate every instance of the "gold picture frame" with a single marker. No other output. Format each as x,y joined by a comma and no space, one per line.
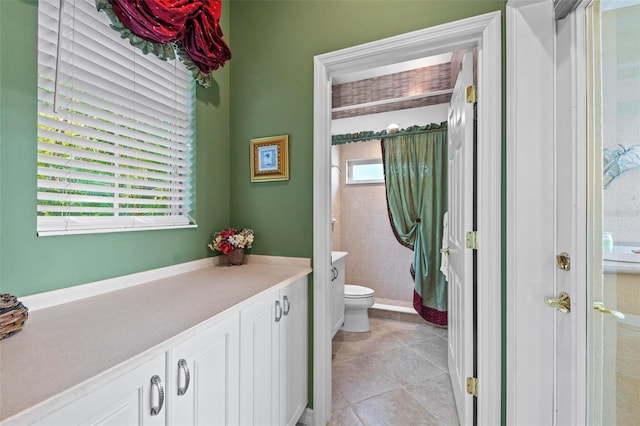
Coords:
270,159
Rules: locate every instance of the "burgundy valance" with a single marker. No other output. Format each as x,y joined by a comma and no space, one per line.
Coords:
190,28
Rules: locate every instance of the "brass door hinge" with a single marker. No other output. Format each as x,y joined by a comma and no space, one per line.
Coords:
472,386
471,94
472,240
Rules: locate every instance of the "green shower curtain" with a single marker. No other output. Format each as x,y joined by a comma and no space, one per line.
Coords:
415,165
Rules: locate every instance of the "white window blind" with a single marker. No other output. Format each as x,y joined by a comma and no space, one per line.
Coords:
115,128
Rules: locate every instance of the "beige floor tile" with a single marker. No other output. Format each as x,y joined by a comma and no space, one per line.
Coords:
396,407
344,351
344,417
436,395
396,374
403,365
441,331
435,350
337,400
357,380
409,332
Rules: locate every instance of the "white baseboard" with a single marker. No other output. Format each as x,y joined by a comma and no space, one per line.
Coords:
394,308
307,417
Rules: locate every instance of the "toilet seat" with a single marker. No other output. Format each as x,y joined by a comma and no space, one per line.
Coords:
357,292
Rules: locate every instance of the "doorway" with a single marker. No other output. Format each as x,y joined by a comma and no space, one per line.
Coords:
482,32
381,102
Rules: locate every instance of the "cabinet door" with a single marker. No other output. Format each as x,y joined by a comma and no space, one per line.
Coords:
204,376
259,366
337,283
293,352
127,400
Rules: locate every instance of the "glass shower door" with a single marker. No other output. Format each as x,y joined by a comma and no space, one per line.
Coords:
614,212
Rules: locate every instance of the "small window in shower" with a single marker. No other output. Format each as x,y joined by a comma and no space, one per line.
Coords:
365,171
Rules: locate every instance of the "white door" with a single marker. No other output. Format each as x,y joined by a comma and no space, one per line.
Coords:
460,201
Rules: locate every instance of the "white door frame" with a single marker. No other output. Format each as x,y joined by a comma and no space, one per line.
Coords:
530,259
571,217
483,32
546,214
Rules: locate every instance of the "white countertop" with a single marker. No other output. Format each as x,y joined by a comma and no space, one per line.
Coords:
624,259
74,347
612,267
337,255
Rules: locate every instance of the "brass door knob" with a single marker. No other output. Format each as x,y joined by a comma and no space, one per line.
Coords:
562,303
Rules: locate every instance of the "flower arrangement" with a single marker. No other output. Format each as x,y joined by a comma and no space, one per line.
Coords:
229,239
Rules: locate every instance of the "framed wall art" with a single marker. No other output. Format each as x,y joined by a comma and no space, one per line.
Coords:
270,159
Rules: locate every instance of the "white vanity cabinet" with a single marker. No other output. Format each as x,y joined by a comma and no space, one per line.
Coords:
201,386
233,351
203,376
338,260
273,357
135,398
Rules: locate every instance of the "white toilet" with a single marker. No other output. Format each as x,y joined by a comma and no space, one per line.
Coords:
357,300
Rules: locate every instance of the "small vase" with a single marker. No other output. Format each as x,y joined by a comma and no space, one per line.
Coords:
236,257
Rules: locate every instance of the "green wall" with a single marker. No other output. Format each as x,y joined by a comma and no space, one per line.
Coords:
268,92
274,43
271,86
31,264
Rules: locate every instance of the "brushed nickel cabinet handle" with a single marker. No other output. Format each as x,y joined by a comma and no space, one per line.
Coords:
334,273
278,311
183,369
156,384
286,305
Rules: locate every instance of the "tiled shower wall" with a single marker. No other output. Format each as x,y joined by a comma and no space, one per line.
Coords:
376,259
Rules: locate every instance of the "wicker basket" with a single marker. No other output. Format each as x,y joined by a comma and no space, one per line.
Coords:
13,314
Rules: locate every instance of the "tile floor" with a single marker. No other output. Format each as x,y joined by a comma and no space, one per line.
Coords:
396,374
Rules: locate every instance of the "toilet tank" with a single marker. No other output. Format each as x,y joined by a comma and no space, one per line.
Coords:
338,260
